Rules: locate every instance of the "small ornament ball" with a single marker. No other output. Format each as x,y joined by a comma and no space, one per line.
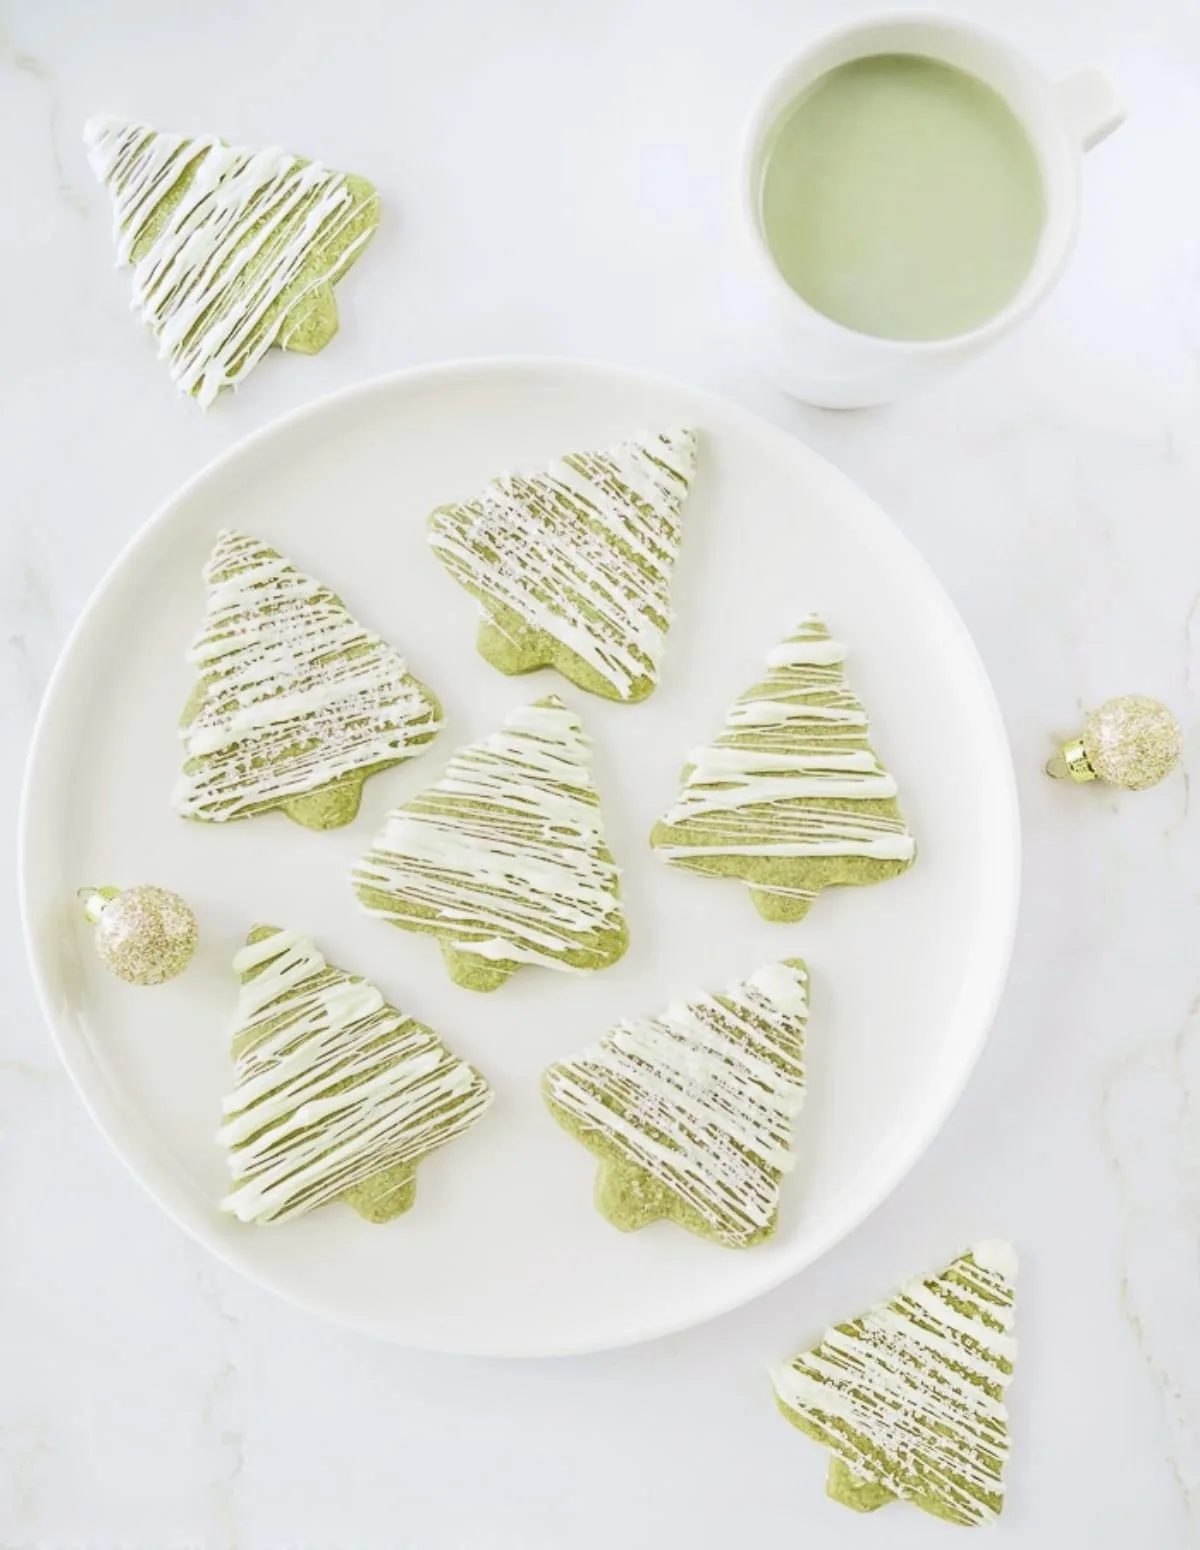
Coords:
143,935
1133,742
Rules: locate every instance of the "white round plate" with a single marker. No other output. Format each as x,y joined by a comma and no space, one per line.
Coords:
503,1252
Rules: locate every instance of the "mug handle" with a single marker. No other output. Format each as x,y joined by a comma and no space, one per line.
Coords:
1091,105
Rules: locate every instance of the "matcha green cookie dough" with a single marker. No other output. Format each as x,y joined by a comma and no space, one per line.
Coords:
572,567
691,1112
337,1095
297,704
790,798
232,250
504,859
909,1399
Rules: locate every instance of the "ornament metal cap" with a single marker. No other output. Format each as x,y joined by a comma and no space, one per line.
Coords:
1132,742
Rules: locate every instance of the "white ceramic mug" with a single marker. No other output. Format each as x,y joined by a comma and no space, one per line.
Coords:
821,361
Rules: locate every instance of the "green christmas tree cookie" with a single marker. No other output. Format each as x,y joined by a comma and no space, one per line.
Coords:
790,798
691,1112
232,250
572,567
909,1399
504,859
296,704
337,1095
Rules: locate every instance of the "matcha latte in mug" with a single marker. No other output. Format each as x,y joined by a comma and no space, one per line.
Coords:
911,187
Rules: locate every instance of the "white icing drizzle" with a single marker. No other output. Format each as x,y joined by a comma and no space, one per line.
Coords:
703,1097
791,745
332,1085
583,551
998,1256
911,1396
231,247
505,856
296,693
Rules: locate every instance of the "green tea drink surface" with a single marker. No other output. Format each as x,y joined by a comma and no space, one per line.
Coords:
902,198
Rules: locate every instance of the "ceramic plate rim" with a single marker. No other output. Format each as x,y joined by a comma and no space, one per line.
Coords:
105,1111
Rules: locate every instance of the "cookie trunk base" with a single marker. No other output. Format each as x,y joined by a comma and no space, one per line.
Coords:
841,1483
329,807
861,1495
782,889
844,1486
385,1195
512,646
781,906
514,650
858,1493
474,972
630,1198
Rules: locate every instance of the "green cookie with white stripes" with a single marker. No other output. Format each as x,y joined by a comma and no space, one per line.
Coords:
572,566
910,1398
504,858
791,798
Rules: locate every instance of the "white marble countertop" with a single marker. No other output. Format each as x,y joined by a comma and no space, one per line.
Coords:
561,177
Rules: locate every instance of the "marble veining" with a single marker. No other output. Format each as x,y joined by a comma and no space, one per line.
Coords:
27,64
219,1413
33,629
1150,1118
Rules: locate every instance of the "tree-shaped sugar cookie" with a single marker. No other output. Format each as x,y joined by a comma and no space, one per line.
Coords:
572,567
790,798
909,1399
296,703
337,1095
691,1112
504,858
232,250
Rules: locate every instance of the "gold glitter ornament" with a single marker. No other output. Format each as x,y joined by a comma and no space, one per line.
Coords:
143,935
1132,741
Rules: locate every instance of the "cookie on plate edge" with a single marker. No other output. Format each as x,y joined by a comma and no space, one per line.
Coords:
296,703
791,798
337,1095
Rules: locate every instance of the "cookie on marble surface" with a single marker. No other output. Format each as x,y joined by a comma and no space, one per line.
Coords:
504,858
572,566
910,1398
296,704
337,1095
691,1112
790,798
232,250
